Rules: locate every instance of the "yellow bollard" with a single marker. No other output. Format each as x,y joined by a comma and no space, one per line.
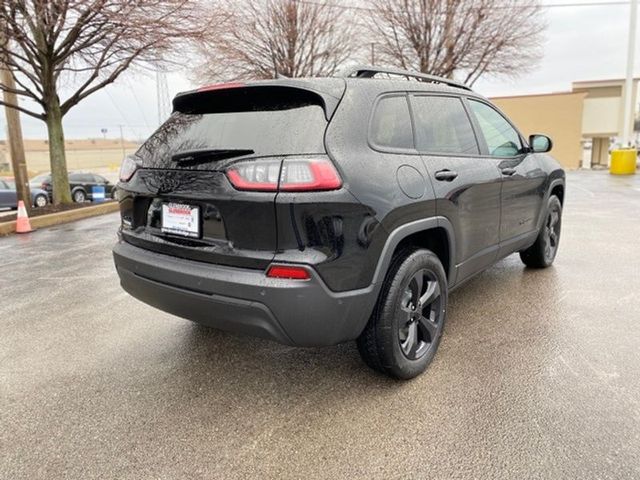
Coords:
623,162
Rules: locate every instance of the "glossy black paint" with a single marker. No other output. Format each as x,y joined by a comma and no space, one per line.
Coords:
245,238
472,209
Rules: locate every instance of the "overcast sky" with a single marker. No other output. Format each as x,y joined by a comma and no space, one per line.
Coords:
582,43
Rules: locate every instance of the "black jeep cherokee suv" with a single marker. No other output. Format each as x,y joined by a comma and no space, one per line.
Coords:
317,211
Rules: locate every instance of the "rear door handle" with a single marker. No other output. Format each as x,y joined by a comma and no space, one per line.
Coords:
446,175
508,171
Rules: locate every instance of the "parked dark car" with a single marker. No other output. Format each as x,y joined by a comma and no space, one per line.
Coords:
9,196
81,184
317,211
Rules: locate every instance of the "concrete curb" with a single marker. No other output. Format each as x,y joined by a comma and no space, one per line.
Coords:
7,228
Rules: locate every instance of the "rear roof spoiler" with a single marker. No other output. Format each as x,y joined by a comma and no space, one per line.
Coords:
327,92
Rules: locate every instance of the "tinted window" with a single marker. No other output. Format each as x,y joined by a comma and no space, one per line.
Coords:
99,179
442,126
81,178
391,124
502,139
267,123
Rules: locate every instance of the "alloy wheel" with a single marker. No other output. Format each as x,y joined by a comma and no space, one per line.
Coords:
551,233
421,315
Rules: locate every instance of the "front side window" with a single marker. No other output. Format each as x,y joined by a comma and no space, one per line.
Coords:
391,124
442,126
502,139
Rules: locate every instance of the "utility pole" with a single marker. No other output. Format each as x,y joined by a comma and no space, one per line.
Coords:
14,136
373,54
627,127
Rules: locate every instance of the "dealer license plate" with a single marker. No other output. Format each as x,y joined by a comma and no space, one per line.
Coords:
181,219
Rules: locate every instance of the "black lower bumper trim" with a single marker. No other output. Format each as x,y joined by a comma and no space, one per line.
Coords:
301,313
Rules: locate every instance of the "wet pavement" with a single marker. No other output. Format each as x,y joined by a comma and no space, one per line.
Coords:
538,373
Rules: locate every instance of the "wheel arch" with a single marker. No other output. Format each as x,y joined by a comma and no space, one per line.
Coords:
435,234
557,189
79,188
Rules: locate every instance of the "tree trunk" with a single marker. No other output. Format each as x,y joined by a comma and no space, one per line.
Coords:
59,175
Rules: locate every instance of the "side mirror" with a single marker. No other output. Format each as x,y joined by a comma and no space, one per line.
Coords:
540,143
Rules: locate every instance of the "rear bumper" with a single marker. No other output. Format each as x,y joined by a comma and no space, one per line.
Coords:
300,313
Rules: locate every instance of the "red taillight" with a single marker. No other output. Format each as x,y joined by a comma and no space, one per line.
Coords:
129,166
221,86
288,272
294,175
43,186
258,175
309,175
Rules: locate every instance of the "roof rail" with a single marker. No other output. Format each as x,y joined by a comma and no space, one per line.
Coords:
363,71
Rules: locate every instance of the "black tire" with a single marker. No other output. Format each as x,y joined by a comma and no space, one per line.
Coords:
543,252
40,201
387,343
79,196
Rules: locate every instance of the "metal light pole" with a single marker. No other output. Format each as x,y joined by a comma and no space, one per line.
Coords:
628,85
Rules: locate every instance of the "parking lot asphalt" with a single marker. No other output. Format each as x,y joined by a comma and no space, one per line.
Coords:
537,376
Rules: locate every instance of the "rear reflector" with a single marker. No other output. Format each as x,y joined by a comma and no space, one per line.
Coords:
298,174
289,272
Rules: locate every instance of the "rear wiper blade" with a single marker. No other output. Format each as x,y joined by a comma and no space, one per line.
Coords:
195,157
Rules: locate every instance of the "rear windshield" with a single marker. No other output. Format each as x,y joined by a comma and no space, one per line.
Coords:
265,122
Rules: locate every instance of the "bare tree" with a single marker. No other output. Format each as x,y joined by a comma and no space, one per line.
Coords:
268,38
459,38
81,46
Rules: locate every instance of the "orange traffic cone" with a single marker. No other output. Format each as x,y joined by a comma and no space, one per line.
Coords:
22,224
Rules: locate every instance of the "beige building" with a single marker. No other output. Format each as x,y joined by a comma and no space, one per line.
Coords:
558,115
603,116
88,154
591,113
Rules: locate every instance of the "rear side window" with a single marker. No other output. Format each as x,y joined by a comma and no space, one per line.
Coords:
442,126
81,178
502,139
267,121
391,123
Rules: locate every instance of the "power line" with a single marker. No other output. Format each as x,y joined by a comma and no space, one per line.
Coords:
135,97
115,104
523,7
